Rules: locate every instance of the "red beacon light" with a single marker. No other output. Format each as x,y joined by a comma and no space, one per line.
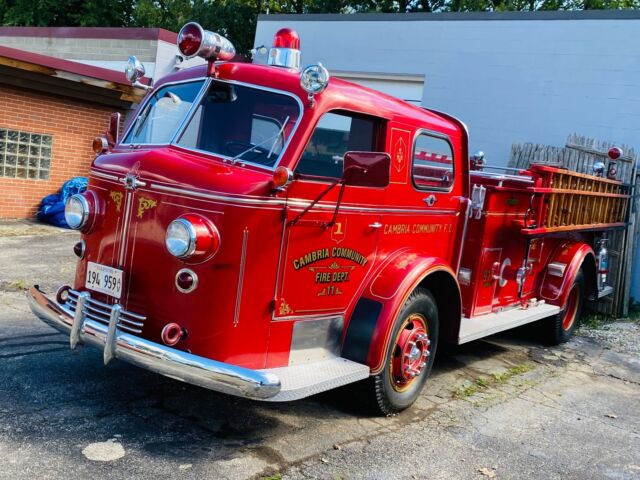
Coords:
193,40
286,49
614,153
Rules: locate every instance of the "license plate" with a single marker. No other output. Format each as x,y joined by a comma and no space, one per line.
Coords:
103,279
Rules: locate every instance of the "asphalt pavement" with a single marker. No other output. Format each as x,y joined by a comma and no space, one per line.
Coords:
503,407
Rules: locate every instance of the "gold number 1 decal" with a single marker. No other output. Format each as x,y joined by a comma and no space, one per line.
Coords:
338,228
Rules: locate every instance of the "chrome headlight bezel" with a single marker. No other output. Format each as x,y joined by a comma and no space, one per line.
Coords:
181,247
76,211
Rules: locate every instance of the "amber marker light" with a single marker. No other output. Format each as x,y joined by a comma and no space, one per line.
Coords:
282,177
100,145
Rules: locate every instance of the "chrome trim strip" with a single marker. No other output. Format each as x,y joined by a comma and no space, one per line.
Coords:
298,203
124,237
556,269
173,363
106,176
464,276
243,260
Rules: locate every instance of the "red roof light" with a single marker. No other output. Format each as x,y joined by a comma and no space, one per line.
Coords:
286,38
190,39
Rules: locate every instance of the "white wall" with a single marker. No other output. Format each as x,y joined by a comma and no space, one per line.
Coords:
511,77
508,80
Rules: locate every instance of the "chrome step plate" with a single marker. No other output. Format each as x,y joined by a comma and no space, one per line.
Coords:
304,380
485,325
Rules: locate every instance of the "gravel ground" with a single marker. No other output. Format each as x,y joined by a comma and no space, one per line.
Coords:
620,336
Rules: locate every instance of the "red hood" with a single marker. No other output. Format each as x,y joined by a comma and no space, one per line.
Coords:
175,166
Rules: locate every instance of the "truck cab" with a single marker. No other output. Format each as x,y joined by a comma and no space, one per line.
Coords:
270,232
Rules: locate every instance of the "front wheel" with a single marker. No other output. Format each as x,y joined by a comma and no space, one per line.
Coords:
560,328
410,355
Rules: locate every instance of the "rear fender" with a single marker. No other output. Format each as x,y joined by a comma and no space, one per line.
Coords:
369,329
561,271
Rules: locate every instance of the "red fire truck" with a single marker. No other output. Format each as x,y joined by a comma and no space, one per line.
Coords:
270,232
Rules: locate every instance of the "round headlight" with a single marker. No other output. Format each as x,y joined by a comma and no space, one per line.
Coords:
76,211
181,238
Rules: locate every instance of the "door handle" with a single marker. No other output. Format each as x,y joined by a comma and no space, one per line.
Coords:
375,225
430,200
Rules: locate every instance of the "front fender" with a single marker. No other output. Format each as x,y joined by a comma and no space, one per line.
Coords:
568,258
367,334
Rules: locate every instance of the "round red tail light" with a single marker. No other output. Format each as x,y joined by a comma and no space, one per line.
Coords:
614,153
79,248
286,38
186,280
190,39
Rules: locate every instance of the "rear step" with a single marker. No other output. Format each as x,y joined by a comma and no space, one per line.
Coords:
299,381
485,325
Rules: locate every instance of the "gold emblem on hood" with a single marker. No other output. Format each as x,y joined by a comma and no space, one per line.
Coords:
145,204
117,199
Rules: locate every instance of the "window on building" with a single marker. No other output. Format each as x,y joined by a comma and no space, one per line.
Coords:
432,162
336,134
24,154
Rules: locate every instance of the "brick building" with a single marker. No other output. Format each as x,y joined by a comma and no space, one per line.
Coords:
58,88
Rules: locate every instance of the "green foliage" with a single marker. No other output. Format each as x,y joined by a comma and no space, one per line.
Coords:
237,18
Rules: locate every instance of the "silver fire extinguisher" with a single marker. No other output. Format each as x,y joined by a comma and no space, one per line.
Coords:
603,263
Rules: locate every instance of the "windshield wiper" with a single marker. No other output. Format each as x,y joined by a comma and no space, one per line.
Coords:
274,138
286,120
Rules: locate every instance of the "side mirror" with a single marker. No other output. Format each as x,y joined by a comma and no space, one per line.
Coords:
366,169
134,70
113,132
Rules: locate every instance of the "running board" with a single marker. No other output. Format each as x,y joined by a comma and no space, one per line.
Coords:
485,325
304,380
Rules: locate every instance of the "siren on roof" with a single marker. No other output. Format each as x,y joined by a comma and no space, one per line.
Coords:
286,49
194,40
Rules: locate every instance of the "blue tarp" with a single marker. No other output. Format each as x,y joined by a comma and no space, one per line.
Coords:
52,206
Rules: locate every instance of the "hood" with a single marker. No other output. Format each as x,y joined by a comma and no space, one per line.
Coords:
176,166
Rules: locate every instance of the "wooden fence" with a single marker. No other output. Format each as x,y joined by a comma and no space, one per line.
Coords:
579,155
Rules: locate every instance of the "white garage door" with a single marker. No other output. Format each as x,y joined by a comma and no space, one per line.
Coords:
406,87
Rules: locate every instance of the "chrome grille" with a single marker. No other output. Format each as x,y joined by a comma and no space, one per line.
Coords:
100,312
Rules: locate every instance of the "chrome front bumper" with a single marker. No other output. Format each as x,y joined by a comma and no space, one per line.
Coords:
218,376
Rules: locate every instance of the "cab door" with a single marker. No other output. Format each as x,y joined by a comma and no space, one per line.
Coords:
328,250
427,175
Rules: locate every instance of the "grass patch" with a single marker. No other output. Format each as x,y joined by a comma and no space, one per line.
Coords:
464,391
594,320
275,476
483,383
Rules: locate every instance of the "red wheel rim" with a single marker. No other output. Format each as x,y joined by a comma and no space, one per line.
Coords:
571,310
410,352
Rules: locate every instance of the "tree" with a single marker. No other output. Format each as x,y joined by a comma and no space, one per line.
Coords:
237,19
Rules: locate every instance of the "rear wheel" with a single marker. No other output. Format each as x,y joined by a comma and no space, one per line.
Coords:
409,357
561,327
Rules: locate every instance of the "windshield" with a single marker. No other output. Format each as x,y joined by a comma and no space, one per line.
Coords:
158,122
242,123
